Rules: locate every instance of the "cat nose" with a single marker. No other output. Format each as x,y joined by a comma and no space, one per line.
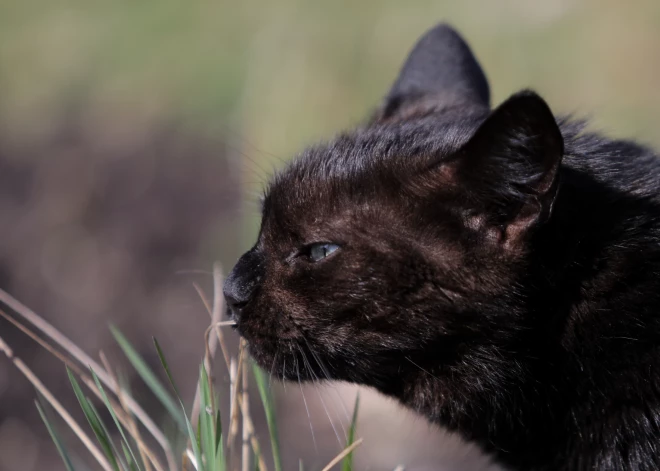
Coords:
238,294
241,284
236,300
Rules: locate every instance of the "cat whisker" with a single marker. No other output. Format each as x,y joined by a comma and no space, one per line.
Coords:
309,417
324,369
330,385
340,399
422,369
318,391
243,141
254,167
272,367
193,271
283,372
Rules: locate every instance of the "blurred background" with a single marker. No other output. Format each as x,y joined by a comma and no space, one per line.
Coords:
135,137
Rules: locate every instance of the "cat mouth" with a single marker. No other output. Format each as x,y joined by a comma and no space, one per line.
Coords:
283,353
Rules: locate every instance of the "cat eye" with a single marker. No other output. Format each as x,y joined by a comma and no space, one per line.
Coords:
317,252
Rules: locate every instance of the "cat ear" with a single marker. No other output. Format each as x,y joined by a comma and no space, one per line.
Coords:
440,71
510,166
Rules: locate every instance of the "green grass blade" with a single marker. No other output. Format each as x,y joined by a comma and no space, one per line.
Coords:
191,434
218,433
347,462
168,373
130,458
207,425
61,449
149,377
125,443
194,443
122,465
94,421
269,408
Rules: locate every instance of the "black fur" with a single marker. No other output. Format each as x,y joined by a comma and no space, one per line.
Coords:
498,271
441,66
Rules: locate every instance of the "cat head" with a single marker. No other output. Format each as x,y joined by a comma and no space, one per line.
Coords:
396,238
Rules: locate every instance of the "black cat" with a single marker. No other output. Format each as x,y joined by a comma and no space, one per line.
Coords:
497,271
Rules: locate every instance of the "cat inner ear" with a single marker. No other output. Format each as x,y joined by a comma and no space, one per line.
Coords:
509,168
440,72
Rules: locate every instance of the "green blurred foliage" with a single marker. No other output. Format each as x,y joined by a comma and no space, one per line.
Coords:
282,74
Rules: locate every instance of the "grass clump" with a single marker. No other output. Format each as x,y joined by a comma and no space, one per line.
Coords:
201,442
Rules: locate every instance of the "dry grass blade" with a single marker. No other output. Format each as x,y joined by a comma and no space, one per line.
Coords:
79,355
247,422
210,347
41,342
189,457
210,343
246,417
85,378
218,324
245,456
218,307
235,395
238,406
84,438
341,455
232,412
130,423
215,311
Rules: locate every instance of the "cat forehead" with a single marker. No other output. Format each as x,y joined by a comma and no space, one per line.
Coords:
360,160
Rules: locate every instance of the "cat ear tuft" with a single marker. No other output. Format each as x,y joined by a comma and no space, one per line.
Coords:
440,71
510,165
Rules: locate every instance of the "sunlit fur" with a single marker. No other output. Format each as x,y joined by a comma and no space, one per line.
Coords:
498,270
